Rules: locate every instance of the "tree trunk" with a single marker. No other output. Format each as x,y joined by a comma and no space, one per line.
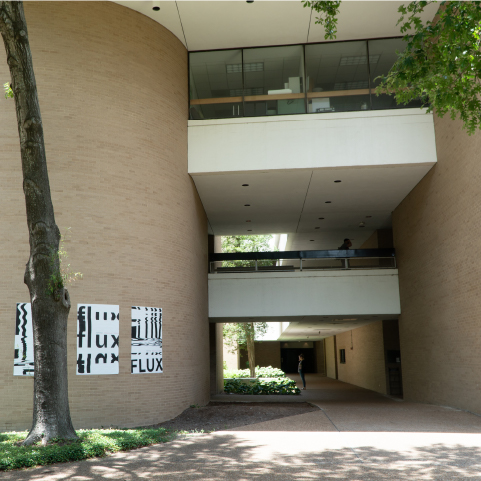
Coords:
50,300
251,351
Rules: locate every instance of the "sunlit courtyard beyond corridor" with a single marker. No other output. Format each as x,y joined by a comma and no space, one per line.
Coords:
355,435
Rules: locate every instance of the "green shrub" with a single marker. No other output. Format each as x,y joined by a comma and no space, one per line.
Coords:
281,385
91,443
269,371
260,372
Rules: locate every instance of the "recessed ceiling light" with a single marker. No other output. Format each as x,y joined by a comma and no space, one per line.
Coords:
337,181
156,8
321,218
328,202
247,205
245,185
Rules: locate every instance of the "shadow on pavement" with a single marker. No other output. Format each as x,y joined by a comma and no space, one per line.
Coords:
226,457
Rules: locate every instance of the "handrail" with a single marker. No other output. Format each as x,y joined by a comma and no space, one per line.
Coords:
324,254
291,96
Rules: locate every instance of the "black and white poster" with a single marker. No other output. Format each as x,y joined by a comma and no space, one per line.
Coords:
23,359
146,346
97,339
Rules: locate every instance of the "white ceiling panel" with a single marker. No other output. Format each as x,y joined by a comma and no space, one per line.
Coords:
210,25
275,201
293,201
314,328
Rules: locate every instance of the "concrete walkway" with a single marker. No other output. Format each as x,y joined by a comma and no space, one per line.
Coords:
357,435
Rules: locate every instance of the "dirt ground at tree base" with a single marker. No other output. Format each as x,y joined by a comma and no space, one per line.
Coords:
222,416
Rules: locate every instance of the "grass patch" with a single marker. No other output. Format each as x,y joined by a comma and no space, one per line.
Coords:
91,443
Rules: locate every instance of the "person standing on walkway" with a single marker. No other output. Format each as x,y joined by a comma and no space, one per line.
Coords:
346,245
301,371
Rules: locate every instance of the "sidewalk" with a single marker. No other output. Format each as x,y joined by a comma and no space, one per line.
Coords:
357,435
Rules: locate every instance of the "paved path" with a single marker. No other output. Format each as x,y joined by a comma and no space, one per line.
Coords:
357,435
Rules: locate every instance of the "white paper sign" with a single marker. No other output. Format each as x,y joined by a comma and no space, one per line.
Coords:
146,344
23,364
97,339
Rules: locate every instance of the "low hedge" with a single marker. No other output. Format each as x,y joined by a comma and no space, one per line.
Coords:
260,372
282,385
91,443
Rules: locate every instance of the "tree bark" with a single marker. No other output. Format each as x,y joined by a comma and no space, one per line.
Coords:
251,351
50,300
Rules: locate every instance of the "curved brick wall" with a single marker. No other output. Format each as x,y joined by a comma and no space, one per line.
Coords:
113,94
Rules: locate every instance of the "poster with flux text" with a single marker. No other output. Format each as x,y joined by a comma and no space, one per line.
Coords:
23,364
146,344
97,339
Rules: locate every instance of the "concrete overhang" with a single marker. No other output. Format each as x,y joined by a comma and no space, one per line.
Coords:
291,164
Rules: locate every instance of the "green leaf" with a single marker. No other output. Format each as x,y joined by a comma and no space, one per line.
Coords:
8,90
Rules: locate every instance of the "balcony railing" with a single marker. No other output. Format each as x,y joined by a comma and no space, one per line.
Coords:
292,261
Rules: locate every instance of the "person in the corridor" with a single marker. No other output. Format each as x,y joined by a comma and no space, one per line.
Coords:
301,371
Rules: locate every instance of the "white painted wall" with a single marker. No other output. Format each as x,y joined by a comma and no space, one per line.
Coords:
272,294
351,139
230,358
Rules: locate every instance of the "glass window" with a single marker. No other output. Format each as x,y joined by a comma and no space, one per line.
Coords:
253,82
337,77
274,81
382,54
216,84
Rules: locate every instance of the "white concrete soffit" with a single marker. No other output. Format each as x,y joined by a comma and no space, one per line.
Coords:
206,25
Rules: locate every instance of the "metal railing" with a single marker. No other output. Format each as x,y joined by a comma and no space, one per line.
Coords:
291,261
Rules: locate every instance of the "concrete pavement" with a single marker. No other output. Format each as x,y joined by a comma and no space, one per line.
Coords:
356,435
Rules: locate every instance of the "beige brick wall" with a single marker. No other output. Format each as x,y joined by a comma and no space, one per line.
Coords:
436,234
113,94
330,357
365,366
268,353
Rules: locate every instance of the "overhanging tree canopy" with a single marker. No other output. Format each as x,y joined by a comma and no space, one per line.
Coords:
441,64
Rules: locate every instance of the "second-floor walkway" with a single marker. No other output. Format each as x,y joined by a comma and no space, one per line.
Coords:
347,287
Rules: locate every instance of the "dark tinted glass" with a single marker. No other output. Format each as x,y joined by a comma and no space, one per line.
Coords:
337,77
216,84
274,81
